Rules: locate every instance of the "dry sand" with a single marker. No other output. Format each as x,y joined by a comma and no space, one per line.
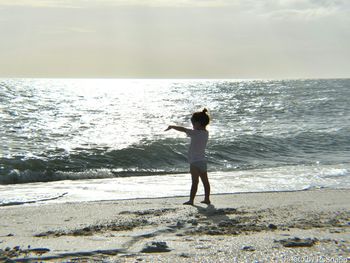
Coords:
305,226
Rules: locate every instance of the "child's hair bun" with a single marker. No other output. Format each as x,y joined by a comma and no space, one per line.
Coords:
201,116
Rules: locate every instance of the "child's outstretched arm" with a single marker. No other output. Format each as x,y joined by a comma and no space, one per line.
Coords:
177,128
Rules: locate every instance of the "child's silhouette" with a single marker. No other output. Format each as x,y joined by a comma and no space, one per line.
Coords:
196,154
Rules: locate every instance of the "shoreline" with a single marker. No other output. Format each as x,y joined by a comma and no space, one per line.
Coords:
175,185
48,200
264,226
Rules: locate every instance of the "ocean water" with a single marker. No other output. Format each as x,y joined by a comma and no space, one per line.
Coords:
94,139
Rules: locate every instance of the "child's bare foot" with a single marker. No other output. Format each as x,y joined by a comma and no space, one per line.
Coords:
188,203
207,202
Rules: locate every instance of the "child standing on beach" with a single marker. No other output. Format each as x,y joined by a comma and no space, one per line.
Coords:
196,154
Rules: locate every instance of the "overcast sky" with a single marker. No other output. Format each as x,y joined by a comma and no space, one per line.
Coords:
175,38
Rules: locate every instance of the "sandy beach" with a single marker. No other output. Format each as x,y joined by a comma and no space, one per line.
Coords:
303,226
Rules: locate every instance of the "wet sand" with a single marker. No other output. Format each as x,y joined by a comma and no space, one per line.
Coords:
303,226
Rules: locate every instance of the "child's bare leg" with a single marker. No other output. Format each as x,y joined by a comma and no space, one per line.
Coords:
205,181
195,173
194,187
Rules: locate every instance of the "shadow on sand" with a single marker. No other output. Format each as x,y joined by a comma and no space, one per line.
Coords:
214,214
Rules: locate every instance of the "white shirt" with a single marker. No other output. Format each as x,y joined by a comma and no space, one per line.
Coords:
199,139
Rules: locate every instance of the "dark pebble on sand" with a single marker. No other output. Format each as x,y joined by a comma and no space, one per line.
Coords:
248,248
272,226
215,232
156,247
185,255
298,242
16,248
194,222
228,223
180,224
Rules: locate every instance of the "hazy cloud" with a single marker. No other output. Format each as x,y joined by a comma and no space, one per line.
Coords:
148,3
279,6
300,9
39,3
175,38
